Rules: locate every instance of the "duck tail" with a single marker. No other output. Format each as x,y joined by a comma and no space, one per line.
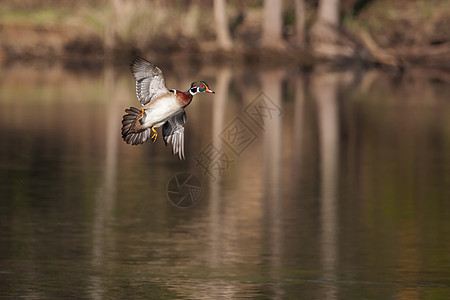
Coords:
133,131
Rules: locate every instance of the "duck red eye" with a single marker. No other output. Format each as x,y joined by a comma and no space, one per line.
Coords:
202,85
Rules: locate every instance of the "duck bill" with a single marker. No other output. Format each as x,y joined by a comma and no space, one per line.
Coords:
210,91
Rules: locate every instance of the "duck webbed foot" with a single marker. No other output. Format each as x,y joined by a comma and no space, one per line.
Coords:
154,134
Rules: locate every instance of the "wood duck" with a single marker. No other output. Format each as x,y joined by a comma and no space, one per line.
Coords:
160,107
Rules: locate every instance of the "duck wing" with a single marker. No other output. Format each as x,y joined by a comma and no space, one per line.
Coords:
149,78
173,132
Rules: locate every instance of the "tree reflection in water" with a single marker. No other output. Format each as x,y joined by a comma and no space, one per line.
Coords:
346,187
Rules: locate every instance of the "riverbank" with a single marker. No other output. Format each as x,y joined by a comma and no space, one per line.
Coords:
400,34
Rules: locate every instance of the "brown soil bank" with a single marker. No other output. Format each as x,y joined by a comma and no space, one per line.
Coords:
406,32
399,33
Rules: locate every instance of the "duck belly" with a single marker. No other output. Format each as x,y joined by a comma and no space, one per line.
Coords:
160,110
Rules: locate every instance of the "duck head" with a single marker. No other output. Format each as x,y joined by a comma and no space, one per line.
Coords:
199,87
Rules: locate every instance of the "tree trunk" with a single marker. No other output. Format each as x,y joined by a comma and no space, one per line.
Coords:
328,12
222,32
273,25
109,41
326,39
325,28
300,23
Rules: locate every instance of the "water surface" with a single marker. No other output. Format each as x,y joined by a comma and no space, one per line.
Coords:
318,185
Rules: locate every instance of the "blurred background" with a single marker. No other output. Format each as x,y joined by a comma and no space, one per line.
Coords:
399,33
339,189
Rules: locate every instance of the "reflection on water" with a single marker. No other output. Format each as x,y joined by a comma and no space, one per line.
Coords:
325,86
337,188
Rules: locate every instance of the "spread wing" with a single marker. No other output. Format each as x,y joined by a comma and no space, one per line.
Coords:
173,132
149,78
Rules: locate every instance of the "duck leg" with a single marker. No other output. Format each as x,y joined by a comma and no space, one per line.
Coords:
141,118
154,134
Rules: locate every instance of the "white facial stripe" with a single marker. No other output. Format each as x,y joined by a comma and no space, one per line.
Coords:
193,91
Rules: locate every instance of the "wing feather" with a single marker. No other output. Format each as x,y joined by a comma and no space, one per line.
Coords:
173,133
149,78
